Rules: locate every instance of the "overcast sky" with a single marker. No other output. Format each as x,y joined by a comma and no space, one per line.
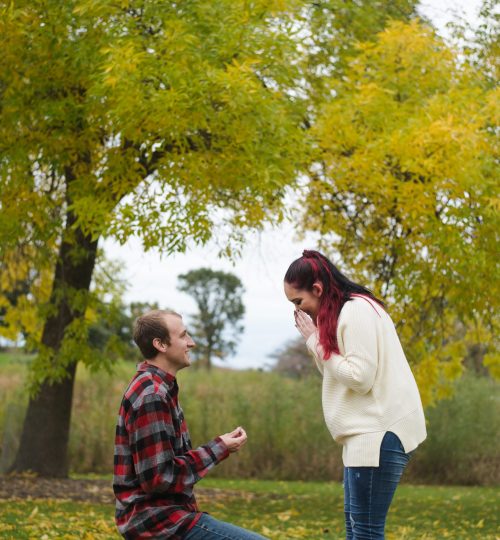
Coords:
269,316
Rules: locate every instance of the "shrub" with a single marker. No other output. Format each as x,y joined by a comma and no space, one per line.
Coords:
463,437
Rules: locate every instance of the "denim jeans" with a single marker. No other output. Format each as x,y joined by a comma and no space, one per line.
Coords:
368,491
209,528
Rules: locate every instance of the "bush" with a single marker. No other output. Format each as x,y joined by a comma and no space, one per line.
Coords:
287,436
463,437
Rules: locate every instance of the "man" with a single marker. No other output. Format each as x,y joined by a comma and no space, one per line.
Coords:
155,467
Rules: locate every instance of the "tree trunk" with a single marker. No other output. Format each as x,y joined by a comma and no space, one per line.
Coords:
44,440
208,359
43,450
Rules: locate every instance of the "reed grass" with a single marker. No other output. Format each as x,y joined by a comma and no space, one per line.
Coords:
287,437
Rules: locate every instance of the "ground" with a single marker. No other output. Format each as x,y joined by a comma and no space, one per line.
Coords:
29,487
82,508
95,490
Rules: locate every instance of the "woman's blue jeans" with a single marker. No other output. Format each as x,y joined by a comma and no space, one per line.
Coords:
209,528
368,491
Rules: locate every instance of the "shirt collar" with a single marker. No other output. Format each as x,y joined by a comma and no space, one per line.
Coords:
169,379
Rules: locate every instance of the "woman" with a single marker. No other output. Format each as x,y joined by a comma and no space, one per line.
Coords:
371,402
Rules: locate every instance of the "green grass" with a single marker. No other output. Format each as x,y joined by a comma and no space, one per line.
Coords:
15,358
279,510
315,510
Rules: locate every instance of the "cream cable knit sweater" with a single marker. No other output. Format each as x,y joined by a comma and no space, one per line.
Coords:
368,389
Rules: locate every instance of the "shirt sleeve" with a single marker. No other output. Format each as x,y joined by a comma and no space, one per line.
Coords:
152,442
356,368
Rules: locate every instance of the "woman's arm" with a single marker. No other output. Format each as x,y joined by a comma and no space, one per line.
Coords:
356,368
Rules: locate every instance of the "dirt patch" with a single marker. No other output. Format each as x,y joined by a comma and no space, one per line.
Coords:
85,490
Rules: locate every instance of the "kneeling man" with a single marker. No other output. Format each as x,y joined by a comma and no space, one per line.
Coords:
155,468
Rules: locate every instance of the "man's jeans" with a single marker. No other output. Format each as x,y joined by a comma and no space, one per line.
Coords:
209,528
368,491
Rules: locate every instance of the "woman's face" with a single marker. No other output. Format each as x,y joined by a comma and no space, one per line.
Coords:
307,301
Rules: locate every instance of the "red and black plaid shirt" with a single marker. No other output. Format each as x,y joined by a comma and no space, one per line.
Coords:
155,468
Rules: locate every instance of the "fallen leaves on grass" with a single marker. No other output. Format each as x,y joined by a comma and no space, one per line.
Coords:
277,510
48,520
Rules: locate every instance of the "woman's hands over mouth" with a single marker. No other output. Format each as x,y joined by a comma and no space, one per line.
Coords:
304,324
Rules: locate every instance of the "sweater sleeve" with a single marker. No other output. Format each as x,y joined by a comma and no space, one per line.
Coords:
356,368
312,346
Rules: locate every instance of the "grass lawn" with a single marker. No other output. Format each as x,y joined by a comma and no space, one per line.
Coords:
278,510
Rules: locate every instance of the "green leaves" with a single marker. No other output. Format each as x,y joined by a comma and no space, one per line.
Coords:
116,93
402,188
123,119
175,123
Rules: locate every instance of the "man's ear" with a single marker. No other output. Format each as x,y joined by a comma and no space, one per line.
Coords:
158,345
317,289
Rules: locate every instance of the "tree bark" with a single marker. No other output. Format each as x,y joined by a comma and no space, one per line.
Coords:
44,440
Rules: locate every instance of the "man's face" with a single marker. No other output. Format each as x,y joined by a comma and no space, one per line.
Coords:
177,353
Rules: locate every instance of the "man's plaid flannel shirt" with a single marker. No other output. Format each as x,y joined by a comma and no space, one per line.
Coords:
155,468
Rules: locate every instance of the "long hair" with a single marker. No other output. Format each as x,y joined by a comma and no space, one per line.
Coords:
337,290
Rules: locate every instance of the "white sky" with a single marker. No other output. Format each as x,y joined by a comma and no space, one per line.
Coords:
268,321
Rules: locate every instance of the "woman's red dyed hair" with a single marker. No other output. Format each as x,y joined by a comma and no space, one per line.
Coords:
337,290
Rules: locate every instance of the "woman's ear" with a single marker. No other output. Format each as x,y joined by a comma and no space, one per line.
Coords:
317,289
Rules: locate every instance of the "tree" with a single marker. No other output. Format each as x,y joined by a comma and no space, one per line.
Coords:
172,122
294,359
333,28
169,121
480,43
404,189
216,327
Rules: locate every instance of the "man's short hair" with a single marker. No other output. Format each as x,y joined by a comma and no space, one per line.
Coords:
150,326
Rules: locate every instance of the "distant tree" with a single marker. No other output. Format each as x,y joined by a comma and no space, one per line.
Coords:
112,328
293,359
110,331
137,309
217,326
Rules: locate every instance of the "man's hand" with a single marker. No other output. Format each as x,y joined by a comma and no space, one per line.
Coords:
304,324
234,440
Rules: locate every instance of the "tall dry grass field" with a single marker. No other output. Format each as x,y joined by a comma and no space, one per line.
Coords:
287,438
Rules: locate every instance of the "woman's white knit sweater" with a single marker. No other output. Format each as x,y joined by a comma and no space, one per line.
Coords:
368,389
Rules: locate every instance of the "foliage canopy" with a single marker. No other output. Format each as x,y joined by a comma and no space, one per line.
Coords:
405,190
136,118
